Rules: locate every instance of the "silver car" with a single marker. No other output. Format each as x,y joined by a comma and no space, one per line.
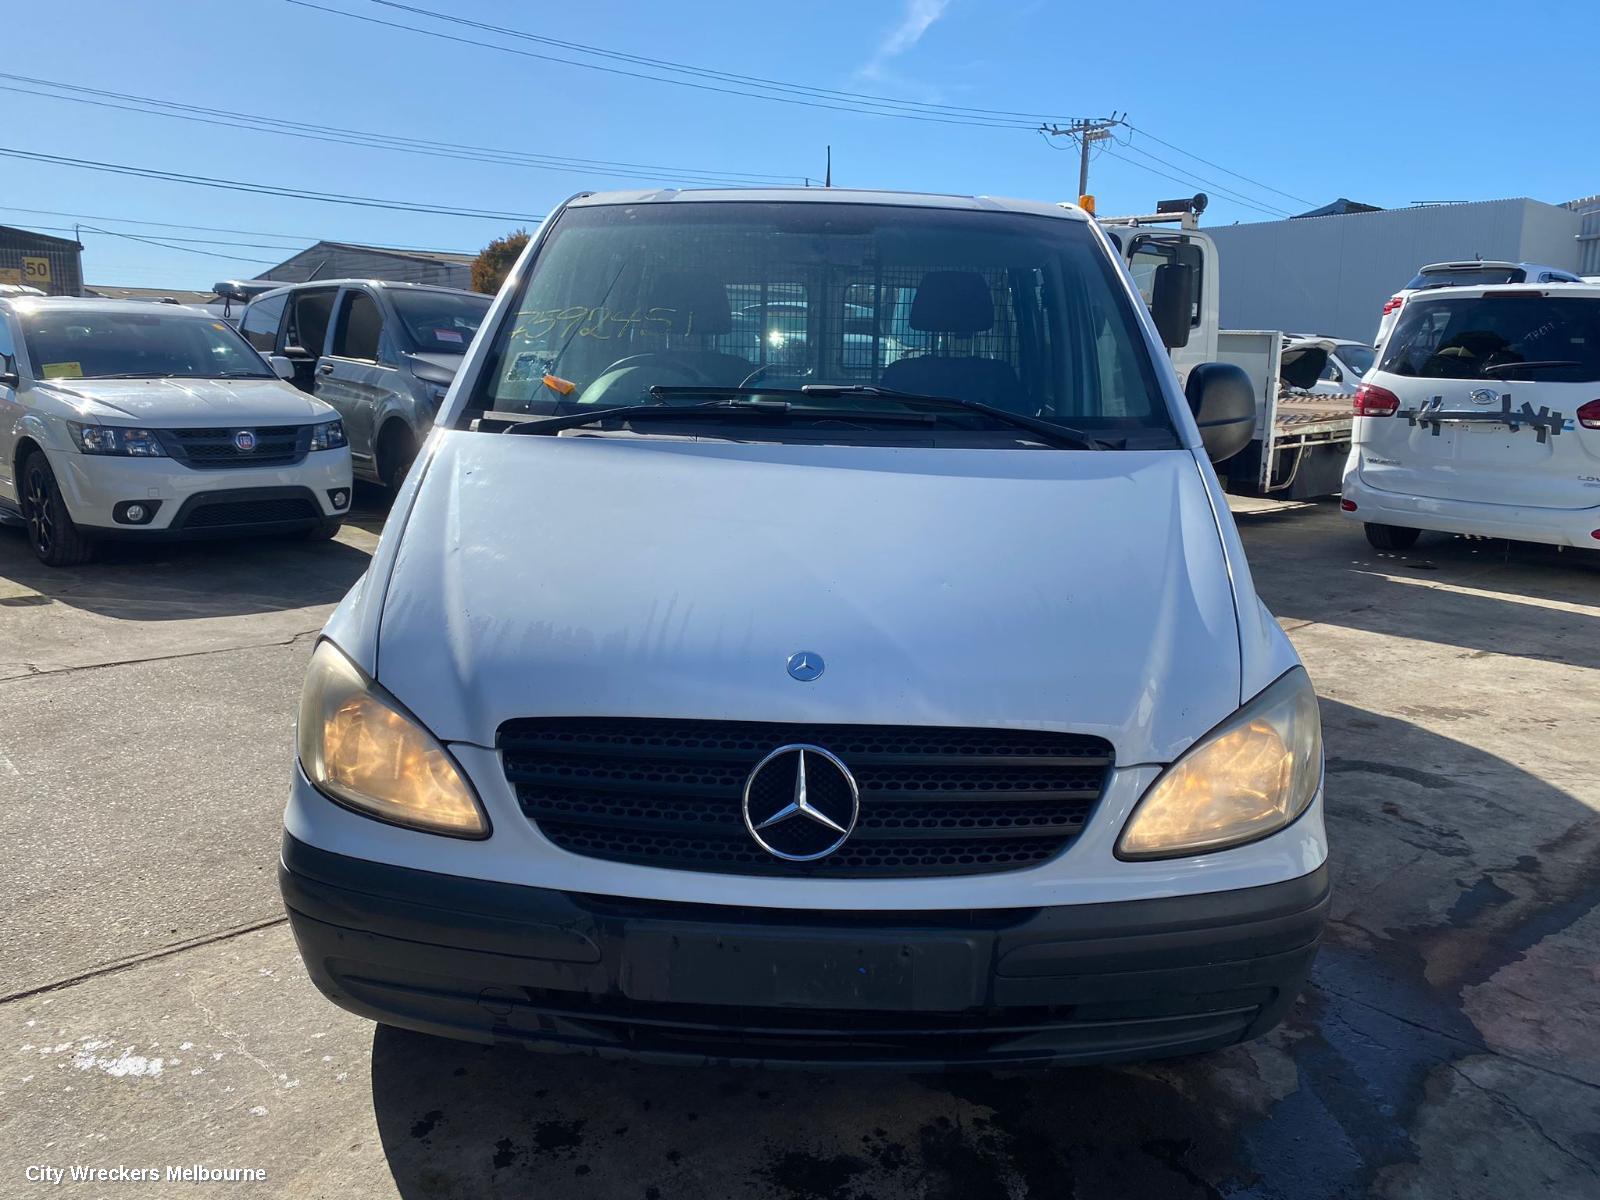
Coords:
121,419
381,353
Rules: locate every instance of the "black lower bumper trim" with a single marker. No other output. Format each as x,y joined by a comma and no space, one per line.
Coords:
493,962
230,512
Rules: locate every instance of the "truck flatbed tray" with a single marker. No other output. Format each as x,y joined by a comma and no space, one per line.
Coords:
1299,413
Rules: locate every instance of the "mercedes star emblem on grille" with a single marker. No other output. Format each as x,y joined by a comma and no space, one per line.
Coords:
244,441
800,803
805,666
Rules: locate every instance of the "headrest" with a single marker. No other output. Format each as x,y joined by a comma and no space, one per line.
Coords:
952,302
693,294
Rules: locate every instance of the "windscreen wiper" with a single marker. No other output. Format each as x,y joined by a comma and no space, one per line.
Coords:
1061,436
761,410
1537,365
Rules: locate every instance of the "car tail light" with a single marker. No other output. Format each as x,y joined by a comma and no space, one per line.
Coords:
1374,401
1589,415
1393,303
1348,505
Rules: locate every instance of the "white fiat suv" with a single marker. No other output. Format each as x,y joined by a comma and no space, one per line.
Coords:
1483,417
133,420
897,697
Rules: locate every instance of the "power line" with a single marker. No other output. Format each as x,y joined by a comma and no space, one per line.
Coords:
745,86
134,237
1220,167
288,237
151,106
1226,192
169,238
287,193
998,123
726,76
1185,182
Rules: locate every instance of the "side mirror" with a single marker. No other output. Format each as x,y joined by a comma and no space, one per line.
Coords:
1171,304
1224,405
282,366
8,372
297,352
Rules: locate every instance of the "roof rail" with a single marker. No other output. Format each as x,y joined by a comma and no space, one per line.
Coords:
1186,220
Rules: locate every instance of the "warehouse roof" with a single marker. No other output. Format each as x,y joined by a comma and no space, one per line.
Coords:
30,235
111,292
1339,208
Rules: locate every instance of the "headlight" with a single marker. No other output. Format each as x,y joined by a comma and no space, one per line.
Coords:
362,749
116,439
327,436
1247,778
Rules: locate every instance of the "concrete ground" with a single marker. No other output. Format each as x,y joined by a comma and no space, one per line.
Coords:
153,1011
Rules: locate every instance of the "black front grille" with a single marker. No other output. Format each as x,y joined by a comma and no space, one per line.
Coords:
214,449
934,801
250,512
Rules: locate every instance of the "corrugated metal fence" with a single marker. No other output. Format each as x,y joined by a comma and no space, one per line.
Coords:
53,265
1588,210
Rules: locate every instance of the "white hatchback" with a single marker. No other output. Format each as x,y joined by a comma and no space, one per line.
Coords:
122,419
1482,418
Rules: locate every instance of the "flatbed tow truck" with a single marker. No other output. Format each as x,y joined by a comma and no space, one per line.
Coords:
1302,438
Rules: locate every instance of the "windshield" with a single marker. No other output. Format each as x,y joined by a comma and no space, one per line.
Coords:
1020,312
440,322
1485,276
83,343
1486,337
1357,358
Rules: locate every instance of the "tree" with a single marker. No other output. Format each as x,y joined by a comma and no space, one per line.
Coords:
494,261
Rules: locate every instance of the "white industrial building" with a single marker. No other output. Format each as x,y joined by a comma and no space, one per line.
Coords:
1332,274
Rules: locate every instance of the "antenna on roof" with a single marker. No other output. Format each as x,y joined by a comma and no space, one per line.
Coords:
827,180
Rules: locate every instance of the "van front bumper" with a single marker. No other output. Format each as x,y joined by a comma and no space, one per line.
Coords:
495,962
1519,523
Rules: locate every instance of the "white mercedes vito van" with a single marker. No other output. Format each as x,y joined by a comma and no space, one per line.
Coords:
1483,418
900,700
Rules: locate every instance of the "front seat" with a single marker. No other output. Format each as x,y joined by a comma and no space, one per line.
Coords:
698,302
958,304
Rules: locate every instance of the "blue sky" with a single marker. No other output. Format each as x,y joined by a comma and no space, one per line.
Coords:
1385,103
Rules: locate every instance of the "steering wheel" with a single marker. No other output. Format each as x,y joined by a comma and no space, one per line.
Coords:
645,370
759,372
662,358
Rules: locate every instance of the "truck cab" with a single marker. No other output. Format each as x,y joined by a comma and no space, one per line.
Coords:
1302,435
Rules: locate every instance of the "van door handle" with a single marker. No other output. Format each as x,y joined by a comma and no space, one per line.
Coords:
325,369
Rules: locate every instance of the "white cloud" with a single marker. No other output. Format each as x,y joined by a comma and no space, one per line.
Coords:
919,15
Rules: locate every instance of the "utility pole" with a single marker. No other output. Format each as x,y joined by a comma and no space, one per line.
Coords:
1086,131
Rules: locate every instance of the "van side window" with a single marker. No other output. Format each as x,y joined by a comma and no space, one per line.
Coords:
308,320
261,321
360,328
